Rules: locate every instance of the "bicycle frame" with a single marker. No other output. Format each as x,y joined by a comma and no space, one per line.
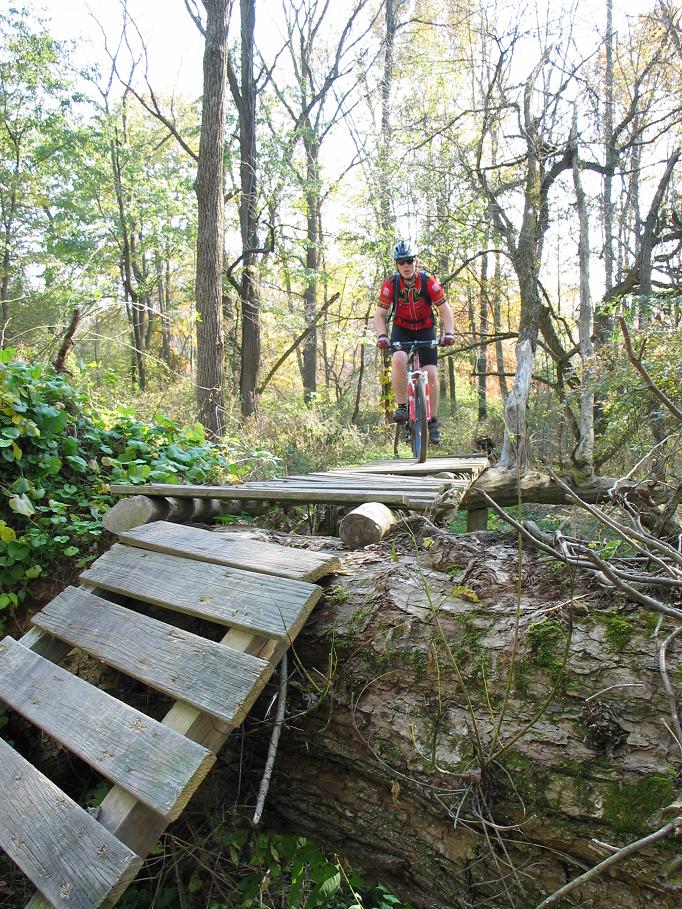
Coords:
416,376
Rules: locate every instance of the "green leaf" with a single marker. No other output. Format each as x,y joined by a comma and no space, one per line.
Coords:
71,551
51,464
22,505
195,433
79,464
324,890
34,571
17,550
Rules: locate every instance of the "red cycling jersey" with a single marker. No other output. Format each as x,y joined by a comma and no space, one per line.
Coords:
414,306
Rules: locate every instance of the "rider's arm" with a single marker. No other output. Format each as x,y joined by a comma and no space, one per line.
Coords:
446,317
380,320
437,294
383,304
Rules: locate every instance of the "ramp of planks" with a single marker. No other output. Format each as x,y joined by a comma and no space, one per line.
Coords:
256,597
439,482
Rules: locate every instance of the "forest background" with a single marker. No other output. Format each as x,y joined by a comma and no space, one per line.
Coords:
189,267
531,156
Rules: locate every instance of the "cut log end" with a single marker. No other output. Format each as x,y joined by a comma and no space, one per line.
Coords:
367,524
133,511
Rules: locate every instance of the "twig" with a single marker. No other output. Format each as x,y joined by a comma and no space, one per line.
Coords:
614,859
628,533
674,713
274,740
642,370
611,687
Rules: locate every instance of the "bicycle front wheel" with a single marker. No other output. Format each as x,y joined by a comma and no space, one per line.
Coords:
420,427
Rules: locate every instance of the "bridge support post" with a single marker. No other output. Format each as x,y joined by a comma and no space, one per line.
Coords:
477,519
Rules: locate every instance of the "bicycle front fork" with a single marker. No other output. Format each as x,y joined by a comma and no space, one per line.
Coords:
418,377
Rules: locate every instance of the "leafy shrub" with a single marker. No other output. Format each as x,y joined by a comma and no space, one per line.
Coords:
261,870
58,458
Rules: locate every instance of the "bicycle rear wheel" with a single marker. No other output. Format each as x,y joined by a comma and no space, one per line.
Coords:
420,427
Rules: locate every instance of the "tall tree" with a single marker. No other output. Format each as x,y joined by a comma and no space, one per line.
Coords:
210,370
245,99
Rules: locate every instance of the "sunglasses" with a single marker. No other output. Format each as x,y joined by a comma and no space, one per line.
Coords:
405,261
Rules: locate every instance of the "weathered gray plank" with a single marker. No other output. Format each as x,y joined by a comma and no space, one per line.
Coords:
155,764
249,555
260,493
264,604
209,676
473,465
67,854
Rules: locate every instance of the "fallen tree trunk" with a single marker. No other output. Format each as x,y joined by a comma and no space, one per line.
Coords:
506,487
453,758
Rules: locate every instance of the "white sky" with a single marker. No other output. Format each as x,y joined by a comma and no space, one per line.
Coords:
175,44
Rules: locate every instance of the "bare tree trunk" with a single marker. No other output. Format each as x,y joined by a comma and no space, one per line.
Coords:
163,291
452,385
245,98
497,318
210,371
384,170
361,372
6,265
67,342
603,323
482,359
583,455
312,260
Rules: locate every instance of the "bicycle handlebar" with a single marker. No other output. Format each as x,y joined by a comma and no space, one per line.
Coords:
410,345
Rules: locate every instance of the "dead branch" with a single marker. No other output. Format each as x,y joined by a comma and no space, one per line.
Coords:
636,361
67,342
614,859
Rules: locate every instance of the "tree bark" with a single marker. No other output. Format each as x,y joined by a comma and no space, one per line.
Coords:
246,99
482,359
59,361
583,455
440,778
210,370
312,259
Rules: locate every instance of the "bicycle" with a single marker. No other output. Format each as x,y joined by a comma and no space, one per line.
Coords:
418,400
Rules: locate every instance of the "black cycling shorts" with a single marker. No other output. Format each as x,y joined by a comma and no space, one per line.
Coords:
428,356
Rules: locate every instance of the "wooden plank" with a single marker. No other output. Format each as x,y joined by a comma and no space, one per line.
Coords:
220,549
155,764
260,493
263,604
473,465
187,667
67,854
369,480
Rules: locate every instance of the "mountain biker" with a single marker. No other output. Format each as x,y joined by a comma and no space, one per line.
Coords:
415,294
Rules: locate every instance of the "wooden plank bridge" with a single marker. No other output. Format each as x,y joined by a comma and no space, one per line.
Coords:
128,613
437,483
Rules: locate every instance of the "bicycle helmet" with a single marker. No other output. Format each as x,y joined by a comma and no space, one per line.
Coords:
404,250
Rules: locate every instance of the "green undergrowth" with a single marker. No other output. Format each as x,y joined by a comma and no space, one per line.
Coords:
59,454
261,870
